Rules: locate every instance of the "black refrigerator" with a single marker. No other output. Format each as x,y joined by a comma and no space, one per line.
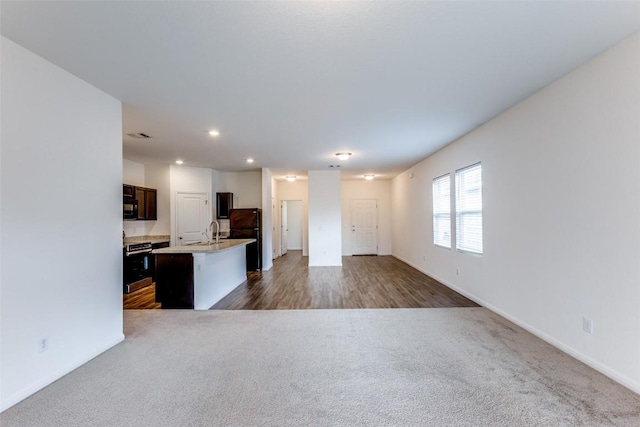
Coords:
247,224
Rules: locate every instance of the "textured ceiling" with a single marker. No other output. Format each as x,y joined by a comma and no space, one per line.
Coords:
289,84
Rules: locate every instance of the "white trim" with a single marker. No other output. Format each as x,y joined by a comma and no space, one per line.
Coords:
42,383
353,240
175,238
598,366
442,247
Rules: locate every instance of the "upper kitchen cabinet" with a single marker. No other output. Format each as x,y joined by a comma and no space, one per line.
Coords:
139,203
147,203
128,192
224,203
150,204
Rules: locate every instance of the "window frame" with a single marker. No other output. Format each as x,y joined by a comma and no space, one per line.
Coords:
460,214
436,214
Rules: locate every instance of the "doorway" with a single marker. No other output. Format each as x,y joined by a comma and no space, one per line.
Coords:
192,217
291,225
364,226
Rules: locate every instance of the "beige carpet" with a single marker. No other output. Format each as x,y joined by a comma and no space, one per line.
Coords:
404,367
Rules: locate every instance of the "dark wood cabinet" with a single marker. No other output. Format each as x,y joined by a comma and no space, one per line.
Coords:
129,204
150,204
146,200
157,245
128,192
174,280
224,203
141,197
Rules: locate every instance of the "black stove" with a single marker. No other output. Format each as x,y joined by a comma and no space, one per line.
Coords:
137,266
136,248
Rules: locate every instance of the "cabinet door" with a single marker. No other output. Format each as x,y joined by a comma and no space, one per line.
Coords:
141,198
150,204
224,205
128,192
174,280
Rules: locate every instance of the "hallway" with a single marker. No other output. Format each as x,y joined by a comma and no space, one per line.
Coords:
361,282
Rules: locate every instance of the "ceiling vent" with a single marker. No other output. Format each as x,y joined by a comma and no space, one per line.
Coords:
139,135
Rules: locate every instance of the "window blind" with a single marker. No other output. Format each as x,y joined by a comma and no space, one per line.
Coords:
442,211
469,209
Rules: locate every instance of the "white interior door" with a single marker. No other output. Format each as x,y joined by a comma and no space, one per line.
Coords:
284,227
364,226
295,224
192,217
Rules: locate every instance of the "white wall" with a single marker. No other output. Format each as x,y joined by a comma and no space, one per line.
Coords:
378,190
561,189
152,176
295,224
184,179
245,186
168,179
132,173
297,190
325,225
70,134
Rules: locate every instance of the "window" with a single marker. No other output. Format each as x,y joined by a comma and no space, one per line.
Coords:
442,211
469,209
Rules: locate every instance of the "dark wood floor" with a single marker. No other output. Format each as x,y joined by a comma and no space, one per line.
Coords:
361,282
144,298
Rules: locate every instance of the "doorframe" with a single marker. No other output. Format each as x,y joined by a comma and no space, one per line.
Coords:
303,220
283,248
353,240
175,211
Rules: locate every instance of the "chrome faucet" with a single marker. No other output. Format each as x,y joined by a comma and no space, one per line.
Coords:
217,230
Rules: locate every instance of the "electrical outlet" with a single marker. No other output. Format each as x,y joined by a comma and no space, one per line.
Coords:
457,272
43,344
587,325
424,258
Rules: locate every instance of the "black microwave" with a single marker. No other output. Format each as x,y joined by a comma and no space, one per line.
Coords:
129,209
129,203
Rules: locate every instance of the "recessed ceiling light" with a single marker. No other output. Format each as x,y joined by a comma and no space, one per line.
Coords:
291,178
343,156
250,160
369,177
214,132
179,162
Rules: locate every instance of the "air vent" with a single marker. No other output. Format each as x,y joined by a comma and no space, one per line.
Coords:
139,135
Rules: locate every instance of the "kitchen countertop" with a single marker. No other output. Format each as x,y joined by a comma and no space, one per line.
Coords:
224,245
147,239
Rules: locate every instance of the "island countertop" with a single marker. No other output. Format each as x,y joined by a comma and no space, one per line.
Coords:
224,245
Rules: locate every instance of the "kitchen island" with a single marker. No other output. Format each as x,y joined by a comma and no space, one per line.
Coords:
197,276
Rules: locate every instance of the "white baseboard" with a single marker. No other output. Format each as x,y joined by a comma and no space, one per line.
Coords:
378,254
43,382
598,366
